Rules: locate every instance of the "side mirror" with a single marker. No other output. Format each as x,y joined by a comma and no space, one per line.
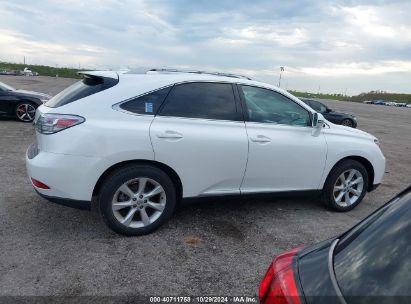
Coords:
317,120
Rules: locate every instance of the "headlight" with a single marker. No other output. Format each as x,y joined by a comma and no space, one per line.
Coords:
44,100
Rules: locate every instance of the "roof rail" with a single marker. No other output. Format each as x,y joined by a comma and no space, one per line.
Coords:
165,70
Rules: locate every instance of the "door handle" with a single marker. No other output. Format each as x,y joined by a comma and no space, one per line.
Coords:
170,134
260,139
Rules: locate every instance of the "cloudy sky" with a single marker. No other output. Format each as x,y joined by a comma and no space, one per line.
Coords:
329,46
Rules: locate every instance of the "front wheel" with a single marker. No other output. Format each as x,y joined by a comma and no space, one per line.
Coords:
25,111
137,200
345,186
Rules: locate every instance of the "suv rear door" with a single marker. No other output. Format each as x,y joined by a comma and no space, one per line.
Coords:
200,133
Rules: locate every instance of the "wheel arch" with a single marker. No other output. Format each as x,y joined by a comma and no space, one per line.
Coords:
32,100
168,170
365,162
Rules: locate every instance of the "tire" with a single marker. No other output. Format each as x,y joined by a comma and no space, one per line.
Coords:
137,212
347,122
25,111
335,191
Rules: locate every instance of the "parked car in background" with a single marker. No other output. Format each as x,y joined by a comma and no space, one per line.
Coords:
20,104
378,102
335,117
140,143
370,263
28,72
391,103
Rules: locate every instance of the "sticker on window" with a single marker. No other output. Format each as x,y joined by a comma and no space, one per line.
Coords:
149,107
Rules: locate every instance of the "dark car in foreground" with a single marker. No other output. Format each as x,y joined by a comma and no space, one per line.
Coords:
370,263
20,104
335,117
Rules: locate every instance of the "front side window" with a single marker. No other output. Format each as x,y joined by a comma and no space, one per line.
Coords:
201,100
267,106
146,104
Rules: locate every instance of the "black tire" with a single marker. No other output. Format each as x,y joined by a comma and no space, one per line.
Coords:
328,194
25,106
347,122
123,175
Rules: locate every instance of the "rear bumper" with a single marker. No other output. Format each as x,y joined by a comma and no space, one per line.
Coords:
85,205
68,177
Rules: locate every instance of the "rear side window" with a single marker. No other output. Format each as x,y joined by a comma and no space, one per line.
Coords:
146,104
319,107
88,86
374,259
201,100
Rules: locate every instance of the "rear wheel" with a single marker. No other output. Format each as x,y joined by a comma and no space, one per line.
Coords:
137,200
345,186
347,122
25,111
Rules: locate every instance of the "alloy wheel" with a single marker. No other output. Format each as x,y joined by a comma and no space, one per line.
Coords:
25,112
348,188
139,202
347,123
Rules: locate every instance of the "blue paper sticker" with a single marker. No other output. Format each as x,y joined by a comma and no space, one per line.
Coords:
149,107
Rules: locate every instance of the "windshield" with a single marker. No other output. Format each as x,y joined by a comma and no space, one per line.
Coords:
6,87
374,258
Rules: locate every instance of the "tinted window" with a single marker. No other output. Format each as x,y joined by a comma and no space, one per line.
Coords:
267,106
318,106
146,104
201,100
374,258
88,86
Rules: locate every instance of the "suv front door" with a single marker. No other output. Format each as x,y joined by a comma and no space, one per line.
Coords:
200,133
285,152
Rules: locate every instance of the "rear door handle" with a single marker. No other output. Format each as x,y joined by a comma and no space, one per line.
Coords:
170,134
260,139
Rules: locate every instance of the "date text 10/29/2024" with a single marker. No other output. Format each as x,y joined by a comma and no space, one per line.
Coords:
203,299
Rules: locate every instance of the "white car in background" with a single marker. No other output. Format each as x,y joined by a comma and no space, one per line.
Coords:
142,142
28,72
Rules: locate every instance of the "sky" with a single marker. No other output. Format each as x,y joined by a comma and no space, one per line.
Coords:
328,46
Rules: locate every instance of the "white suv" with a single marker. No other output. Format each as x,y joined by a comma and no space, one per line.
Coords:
142,142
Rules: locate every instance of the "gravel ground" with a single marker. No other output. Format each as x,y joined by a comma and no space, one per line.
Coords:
209,248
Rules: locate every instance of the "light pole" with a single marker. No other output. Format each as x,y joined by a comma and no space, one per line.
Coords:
279,80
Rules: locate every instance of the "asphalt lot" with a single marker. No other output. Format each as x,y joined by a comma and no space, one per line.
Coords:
211,248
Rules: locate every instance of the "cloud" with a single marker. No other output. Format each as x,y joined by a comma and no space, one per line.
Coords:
327,42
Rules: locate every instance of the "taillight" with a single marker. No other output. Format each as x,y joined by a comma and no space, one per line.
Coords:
279,284
39,184
53,123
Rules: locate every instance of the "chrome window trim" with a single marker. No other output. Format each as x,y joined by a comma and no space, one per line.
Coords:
117,106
